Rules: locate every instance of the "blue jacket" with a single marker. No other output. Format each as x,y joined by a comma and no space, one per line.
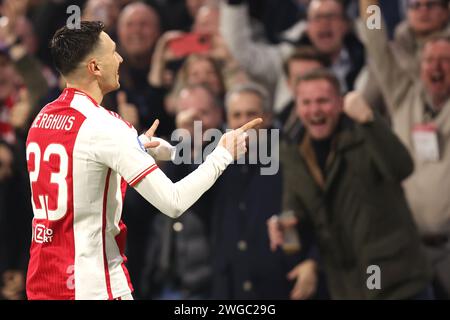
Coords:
243,265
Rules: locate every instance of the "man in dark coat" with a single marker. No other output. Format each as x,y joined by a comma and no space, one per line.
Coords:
344,178
244,198
178,264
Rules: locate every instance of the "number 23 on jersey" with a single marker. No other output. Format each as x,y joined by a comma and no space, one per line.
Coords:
48,178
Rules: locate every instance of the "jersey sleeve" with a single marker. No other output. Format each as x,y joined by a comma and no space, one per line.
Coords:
119,148
173,199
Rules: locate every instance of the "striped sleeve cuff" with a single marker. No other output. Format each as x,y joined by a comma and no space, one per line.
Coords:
133,182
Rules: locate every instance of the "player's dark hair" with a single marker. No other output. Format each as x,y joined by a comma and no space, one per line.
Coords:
70,46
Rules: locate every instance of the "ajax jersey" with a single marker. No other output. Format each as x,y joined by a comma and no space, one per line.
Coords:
80,159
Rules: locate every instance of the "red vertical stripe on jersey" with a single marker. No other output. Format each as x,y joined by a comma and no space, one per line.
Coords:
105,258
121,238
121,242
123,188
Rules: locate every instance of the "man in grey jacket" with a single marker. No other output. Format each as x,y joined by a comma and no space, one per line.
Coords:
420,114
424,19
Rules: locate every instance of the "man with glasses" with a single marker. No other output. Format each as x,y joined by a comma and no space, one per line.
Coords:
327,29
424,18
420,114
427,16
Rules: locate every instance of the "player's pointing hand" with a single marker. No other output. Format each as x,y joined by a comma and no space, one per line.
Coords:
250,125
234,141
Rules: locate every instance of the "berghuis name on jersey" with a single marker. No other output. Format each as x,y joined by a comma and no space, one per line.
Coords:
53,122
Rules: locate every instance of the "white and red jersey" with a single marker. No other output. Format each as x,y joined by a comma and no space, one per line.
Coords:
80,158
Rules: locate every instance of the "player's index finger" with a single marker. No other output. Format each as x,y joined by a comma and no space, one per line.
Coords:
152,129
251,124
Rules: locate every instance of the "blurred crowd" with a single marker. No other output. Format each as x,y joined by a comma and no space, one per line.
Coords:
225,62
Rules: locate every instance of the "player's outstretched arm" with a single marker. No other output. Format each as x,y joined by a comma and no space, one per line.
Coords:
173,199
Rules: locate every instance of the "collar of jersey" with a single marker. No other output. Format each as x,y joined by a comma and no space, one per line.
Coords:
78,91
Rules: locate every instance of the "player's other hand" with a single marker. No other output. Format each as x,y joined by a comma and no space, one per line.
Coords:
234,140
149,134
158,148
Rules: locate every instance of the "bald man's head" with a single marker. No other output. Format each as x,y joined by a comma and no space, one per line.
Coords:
138,29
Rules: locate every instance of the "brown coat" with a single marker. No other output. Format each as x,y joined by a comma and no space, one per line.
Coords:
359,212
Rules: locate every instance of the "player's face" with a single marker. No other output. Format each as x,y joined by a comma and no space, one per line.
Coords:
108,63
319,107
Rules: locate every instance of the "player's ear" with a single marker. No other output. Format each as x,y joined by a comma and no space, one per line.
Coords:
93,67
